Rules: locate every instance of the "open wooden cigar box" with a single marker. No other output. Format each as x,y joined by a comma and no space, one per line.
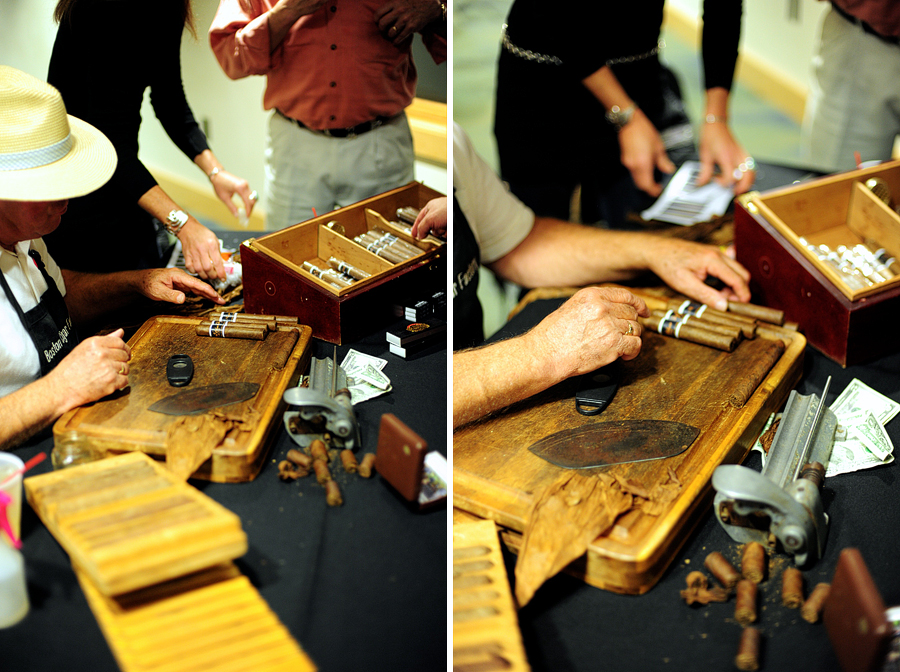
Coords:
291,272
798,244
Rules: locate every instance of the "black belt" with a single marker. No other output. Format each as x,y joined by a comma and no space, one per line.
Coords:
888,39
350,132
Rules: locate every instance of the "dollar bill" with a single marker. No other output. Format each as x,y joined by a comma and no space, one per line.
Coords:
858,397
852,455
357,361
374,377
362,391
873,436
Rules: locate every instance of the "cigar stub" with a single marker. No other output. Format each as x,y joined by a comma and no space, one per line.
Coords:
745,602
323,473
299,458
747,657
679,329
723,570
753,562
812,608
367,466
348,459
761,313
792,588
318,450
217,329
333,494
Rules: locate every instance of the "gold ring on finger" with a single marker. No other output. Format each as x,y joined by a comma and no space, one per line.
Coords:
630,329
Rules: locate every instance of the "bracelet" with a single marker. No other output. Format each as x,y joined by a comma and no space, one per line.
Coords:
176,221
213,173
713,119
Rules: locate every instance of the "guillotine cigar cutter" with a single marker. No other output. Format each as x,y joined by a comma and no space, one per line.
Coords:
783,502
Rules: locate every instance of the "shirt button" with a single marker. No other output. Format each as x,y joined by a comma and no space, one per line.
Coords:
333,47
333,84
333,9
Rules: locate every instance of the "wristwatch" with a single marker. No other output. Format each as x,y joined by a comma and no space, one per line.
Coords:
175,221
619,117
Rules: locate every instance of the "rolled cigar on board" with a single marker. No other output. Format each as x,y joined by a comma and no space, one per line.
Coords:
725,329
753,562
216,329
687,332
792,588
745,324
279,319
812,608
268,320
756,372
745,602
761,313
723,570
747,657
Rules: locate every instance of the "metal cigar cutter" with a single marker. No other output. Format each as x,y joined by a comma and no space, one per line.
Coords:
783,502
322,410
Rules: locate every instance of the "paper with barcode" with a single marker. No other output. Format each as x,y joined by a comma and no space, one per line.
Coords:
683,202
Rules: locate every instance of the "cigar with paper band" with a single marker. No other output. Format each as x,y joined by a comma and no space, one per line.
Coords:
693,320
745,324
679,329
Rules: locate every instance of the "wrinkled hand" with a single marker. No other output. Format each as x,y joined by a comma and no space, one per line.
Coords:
201,251
400,19
685,265
719,148
227,185
98,366
171,284
642,152
590,330
431,219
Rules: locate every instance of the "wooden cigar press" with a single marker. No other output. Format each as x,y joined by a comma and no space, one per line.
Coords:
782,502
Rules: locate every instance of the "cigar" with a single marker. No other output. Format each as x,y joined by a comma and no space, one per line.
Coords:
693,320
318,451
348,459
745,324
812,608
374,248
344,267
367,466
299,458
279,319
792,588
747,657
328,276
745,604
761,313
723,570
323,473
756,372
686,332
399,242
218,329
408,214
269,321
288,471
753,562
333,494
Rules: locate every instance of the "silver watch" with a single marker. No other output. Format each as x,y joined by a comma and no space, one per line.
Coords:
619,117
175,221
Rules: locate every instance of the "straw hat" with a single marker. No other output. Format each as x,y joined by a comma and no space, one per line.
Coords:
46,154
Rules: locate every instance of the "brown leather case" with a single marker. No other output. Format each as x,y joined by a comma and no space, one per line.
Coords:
854,616
400,456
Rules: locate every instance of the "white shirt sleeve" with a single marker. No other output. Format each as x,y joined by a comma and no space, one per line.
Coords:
499,220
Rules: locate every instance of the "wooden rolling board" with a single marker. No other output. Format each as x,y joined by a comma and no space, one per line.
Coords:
214,621
495,476
486,632
122,422
127,523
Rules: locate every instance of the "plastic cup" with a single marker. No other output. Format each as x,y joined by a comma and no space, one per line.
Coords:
14,603
9,463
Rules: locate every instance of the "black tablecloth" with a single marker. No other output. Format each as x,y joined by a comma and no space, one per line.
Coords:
360,587
570,626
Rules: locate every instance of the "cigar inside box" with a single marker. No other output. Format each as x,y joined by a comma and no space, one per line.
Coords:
342,272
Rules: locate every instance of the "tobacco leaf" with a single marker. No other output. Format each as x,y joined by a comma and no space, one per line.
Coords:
565,518
190,441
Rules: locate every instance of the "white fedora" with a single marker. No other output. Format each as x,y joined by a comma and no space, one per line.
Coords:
46,154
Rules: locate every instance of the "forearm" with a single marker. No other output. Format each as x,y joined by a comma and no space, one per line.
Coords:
717,104
561,254
92,295
27,411
492,377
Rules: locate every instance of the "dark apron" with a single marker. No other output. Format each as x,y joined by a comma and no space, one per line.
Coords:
468,318
48,323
